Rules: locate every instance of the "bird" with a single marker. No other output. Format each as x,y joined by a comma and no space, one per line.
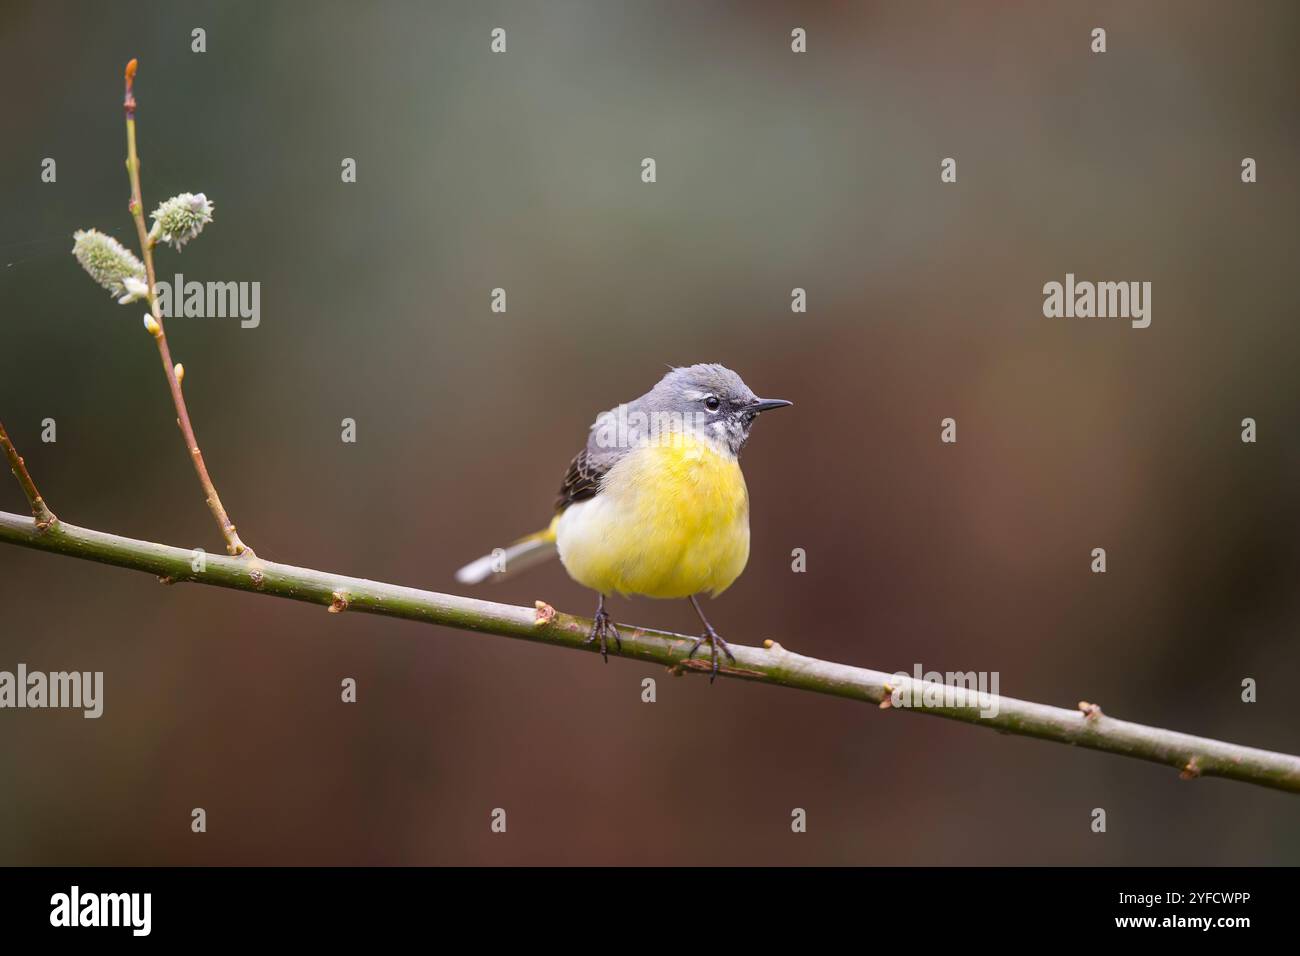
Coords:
655,505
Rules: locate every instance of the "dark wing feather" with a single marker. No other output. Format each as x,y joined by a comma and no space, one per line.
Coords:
582,480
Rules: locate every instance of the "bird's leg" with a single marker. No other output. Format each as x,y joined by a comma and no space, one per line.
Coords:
603,627
715,641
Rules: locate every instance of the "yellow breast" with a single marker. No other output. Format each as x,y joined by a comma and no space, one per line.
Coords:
672,520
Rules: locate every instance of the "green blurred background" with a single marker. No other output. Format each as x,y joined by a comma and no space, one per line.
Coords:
774,171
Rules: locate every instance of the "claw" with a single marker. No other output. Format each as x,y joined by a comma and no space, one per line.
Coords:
603,627
715,641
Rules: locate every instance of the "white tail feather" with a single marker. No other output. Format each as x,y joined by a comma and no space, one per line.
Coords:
501,564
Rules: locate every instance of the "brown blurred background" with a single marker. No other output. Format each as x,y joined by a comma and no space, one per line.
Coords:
775,170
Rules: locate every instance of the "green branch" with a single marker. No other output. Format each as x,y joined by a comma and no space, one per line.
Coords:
40,511
771,664
173,372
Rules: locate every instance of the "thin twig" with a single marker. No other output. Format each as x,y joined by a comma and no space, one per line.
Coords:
233,544
43,515
772,664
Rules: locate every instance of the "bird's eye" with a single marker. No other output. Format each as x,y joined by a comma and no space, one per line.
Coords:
712,403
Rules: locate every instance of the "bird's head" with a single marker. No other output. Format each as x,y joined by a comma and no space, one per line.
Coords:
712,399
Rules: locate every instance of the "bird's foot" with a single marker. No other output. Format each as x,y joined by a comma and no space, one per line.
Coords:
602,627
715,642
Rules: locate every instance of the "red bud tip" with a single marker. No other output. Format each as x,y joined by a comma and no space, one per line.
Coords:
128,102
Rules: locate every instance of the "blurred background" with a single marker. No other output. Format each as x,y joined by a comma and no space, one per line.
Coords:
775,170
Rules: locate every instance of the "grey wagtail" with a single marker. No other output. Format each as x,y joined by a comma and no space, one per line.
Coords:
656,504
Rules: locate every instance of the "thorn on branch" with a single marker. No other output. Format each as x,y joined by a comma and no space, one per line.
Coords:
1192,770
340,602
1090,711
887,701
544,613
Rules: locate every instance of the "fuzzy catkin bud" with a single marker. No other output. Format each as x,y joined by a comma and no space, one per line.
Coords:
181,218
106,260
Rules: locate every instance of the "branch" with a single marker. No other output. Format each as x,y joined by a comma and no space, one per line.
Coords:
43,515
772,664
173,372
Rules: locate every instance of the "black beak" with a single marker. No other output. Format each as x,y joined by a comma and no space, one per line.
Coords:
767,404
